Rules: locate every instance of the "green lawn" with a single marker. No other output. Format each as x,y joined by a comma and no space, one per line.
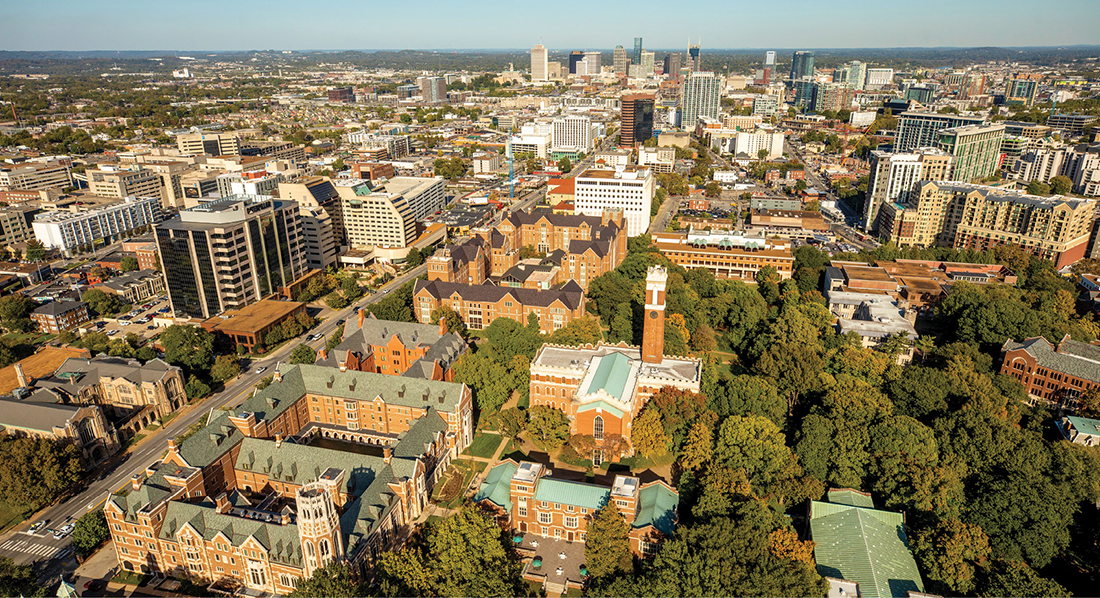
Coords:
130,578
10,516
484,445
167,418
30,338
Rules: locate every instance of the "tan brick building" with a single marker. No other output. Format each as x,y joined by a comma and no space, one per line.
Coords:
56,316
479,305
726,255
264,494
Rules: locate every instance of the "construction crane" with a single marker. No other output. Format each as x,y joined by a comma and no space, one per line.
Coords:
871,128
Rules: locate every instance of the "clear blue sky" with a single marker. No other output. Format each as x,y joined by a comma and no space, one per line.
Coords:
562,25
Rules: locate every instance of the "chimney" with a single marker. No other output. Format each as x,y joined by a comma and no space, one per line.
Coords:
135,481
20,375
172,448
442,327
387,454
322,354
278,440
221,503
286,519
362,317
277,376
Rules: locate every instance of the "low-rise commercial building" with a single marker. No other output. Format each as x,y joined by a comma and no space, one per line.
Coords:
250,325
135,287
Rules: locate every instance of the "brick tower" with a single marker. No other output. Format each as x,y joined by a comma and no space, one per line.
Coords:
653,336
319,521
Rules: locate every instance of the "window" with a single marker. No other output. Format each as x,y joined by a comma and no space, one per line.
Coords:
523,506
649,548
546,518
571,522
597,428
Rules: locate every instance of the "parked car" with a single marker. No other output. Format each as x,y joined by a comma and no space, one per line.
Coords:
112,332
124,322
143,320
150,327
94,585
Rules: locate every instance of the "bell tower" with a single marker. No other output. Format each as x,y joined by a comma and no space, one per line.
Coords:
653,335
319,521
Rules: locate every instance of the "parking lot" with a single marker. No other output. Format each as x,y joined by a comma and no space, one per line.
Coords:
139,320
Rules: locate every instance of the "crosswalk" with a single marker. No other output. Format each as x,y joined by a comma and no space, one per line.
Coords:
38,550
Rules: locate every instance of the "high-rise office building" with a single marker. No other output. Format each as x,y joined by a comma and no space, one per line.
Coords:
1021,91
637,120
695,57
595,62
540,69
434,89
229,253
572,133
921,129
702,97
672,65
619,60
976,148
647,63
637,58
831,96
893,176
574,57
769,58
802,64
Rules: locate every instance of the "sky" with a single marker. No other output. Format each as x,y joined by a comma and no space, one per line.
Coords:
561,25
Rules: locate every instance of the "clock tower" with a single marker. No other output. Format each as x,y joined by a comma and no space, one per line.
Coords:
653,335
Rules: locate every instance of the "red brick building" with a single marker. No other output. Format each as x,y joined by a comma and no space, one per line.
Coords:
396,348
1053,375
479,305
56,316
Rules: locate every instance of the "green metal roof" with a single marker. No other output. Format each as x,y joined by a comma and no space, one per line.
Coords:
657,507
865,546
497,486
611,375
1085,425
848,496
602,404
571,493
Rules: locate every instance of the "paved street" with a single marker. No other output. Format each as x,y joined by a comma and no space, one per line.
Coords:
24,548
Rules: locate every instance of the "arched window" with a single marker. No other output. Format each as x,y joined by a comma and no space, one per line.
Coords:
309,549
324,549
597,428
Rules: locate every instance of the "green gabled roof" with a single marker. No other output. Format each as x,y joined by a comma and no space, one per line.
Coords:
612,374
365,386
362,516
497,487
152,491
571,493
270,402
208,444
848,496
1085,425
602,405
280,541
865,546
657,507
422,432
300,464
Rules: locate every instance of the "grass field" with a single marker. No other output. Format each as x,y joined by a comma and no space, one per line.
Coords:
10,516
484,445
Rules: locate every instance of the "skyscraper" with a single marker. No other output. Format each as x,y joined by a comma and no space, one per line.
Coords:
618,59
802,65
637,120
769,58
539,67
637,50
574,57
595,62
702,96
647,63
672,65
693,54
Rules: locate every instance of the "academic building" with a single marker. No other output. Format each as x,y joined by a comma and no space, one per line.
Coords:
272,490
726,255
602,389
1056,375
396,348
478,305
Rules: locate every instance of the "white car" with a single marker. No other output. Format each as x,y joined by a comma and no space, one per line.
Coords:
64,531
261,369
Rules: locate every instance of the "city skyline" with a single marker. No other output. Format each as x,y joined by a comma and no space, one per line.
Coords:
443,26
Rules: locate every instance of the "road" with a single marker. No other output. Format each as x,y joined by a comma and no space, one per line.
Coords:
844,229
26,548
664,214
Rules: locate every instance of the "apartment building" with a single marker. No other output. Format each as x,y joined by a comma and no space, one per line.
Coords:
16,224
80,226
325,193
230,252
424,351
479,305
433,89
659,159
135,287
602,389
396,146
274,150
377,219
250,182
319,246
487,163
976,148
572,134
893,177
32,176
56,316
748,144
189,515
629,189
963,215
109,181
726,254
213,144
921,129
702,95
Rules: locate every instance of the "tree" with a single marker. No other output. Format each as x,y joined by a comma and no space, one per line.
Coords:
36,252
303,353
761,154
713,189
190,347
565,165
90,531
582,331
15,312
647,434
334,579
513,421
698,447
19,580
1038,188
752,443
414,258
1061,185
548,427
128,264
1013,578
35,470
452,319
466,554
509,338
103,304
226,367
950,553
607,547
490,380
196,388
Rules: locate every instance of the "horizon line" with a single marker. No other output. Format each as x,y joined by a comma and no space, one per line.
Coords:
522,49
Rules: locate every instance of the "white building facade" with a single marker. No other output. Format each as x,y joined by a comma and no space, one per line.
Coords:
66,230
630,189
